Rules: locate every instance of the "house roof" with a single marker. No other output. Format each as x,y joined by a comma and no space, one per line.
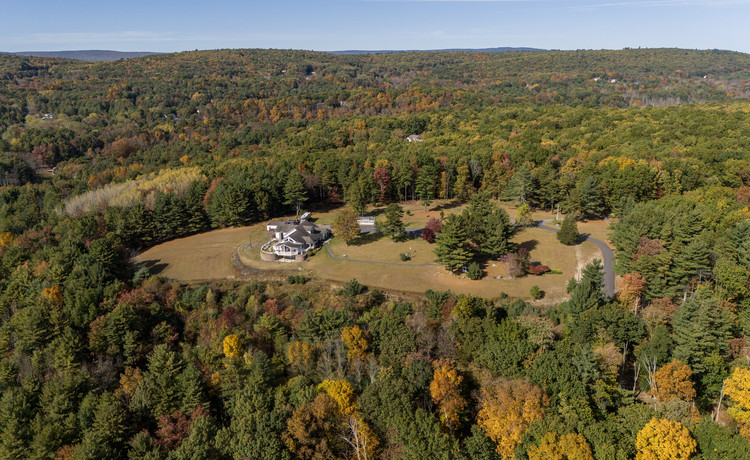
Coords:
305,233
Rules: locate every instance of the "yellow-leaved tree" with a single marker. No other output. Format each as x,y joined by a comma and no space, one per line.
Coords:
232,346
572,446
507,409
737,387
355,431
663,439
445,391
300,356
342,392
673,381
355,341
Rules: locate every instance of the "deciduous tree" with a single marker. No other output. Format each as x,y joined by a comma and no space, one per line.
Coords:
506,411
345,225
445,390
663,439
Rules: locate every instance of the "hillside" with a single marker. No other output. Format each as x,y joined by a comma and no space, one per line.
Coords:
87,55
116,176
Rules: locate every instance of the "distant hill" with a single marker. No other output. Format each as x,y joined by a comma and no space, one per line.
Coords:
88,55
475,50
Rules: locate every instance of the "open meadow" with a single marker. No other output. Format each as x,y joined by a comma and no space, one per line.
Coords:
208,256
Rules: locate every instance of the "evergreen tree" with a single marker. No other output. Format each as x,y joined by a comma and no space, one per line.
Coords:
568,233
496,234
393,226
452,247
701,327
588,294
591,203
692,260
295,192
197,220
356,199
520,186
229,206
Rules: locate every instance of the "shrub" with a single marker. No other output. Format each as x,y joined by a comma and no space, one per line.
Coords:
474,272
555,271
433,224
538,269
141,274
428,235
352,288
296,279
535,292
568,233
405,257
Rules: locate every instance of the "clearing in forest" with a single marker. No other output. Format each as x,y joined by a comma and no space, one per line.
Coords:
208,256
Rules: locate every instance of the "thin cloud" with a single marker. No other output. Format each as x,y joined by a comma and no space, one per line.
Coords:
665,3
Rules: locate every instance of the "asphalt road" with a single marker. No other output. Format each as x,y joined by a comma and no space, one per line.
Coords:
608,259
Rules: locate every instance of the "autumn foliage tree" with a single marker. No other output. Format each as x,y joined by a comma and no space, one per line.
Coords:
232,346
572,446
345,225
737,387
355,341
673,381
631,291
506,411
445,390
300,356
663,439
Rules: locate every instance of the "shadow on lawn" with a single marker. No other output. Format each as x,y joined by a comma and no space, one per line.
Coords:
529,245
154,267
366,238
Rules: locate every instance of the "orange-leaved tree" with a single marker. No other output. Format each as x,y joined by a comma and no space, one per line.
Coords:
507,409
663,439
673,381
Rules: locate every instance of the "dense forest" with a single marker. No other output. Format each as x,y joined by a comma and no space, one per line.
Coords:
99,161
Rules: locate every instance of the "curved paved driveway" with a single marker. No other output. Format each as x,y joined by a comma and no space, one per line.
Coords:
608,258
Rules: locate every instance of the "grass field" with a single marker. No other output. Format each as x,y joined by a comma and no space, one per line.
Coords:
208,256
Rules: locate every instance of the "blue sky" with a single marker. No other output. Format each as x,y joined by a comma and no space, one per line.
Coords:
328,25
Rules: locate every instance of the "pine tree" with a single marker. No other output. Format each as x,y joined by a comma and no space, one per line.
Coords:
568,233
588,294
393,225
356,199
591,203
520,186
452,247
497,233
701,328
295,192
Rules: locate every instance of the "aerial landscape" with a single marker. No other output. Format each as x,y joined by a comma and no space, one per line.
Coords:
457,230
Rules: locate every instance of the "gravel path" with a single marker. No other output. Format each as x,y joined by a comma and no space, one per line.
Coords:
607,255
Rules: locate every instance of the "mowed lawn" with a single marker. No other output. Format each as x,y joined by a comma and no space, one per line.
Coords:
207,256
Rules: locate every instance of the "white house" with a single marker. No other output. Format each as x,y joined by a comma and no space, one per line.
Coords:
293,239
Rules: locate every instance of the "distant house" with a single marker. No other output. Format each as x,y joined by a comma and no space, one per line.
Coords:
414,138
293,239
